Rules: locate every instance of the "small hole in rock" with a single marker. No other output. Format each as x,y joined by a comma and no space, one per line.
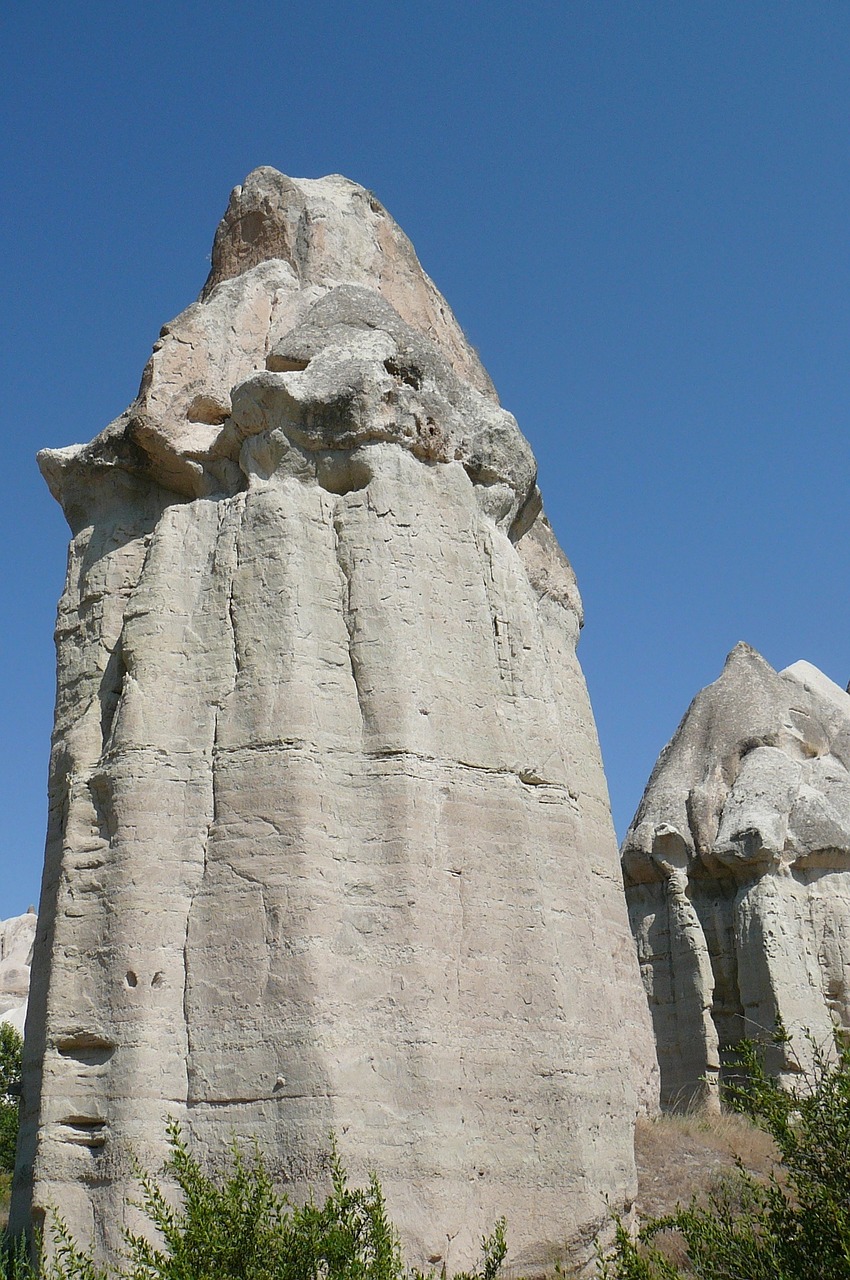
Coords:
341,473
131,979
208,409
158,979
280,362
405,373
251,226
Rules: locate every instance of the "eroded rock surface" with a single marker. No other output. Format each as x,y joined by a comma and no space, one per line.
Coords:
330,846
737,869
16,946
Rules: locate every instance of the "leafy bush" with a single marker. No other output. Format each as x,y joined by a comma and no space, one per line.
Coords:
241,1228
15,1261
11,1048
795,1227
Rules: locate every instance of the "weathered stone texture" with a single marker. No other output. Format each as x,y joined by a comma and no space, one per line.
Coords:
16,945
737,869
329,845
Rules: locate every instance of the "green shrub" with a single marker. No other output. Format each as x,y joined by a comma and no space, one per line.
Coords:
240,1228
15,1261
795,1227
11,1048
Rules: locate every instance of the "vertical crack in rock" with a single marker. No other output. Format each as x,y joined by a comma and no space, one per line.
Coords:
274,312
500,625
111,689
113,682
231,517
187,1022
239,504
348,616
100,790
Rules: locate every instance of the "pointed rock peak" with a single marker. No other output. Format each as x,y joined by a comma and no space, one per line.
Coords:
744,652
298,264
331,231
743,664
266,218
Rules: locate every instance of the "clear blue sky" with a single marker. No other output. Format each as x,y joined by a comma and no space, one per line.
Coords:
638,209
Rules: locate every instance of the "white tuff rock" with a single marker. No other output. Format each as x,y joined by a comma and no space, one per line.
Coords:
330,845
16,945
737,869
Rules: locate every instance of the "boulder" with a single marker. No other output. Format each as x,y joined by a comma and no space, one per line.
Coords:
330,847
737,871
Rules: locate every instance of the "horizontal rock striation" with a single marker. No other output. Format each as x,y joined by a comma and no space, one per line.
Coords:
330,846
737,869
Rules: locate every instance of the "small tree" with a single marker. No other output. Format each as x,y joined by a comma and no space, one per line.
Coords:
11,1049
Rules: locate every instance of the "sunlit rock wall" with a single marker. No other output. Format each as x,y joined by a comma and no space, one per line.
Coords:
330,846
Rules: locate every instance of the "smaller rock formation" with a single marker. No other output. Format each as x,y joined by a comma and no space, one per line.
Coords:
737,871
17,936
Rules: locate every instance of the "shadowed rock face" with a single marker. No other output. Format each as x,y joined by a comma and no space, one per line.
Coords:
329,844
737,869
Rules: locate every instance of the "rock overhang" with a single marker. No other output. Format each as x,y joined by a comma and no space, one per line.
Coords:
338,337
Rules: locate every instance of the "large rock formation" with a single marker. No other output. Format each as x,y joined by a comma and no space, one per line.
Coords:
330,845
16,946
737,869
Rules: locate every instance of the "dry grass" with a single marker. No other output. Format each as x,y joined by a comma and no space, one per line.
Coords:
679,1157
5,1197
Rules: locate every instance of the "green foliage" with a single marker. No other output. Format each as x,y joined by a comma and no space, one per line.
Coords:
11,1048
493,1250
240,1228
629,1260
69,1261
797,1226
15,1261
243,1228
